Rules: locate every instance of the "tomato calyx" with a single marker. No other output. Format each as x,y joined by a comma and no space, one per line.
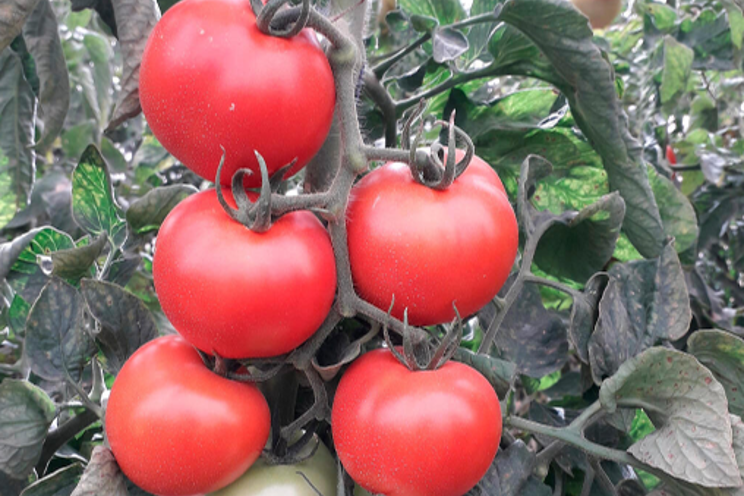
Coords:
432,172
256,216
282,25
423,354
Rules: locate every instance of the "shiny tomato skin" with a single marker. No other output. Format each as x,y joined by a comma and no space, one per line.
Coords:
178,429
241,294
263,479
430,248
404,433
210,78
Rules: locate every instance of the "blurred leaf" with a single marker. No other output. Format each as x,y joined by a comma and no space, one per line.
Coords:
580,71
40,34
93,203
56,343
688,407
60,483
723,354
530,336
645,302
346,350
500,373
676,73
10,251
444,11
123,269
135,20
448,44
581,246
75,263
102,59
677,213
12,17
148,213
27,414
17,315
709,36
101,476
397,20
664,16
126,324
423,24
17,115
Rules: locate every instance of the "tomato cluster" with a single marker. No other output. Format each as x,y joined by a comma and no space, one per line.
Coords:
178,428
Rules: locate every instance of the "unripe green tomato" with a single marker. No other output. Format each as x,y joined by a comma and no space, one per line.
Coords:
284,480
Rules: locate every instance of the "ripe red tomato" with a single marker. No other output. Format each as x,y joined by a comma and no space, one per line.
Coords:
670,155
178,429
404,433
210,78
430,248
242,294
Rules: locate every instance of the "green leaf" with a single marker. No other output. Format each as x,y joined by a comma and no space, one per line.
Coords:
676,73
580,71
423,24
736,23
56,343
101,476
581,246
645,302
27,414
500,373
41,35
75,263
723,354
10,251
60,483
17,315
27,277
147,213
12,17
134,21
693,440
93,204
126,324
709,36
17,112
663,15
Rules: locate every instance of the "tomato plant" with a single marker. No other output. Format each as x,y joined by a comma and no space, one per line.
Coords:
429,250
242,101
178,429
401,432
262,294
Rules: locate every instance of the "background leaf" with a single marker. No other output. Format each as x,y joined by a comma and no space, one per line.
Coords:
723,354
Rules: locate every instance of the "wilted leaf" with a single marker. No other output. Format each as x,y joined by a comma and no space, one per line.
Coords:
581,246
126,324
101,476
147,213
60,483
134,21
27,414
56,343
646,301
74,263
584,313
17,116
349,351
688,406
530,336
723,354
93,203
42,40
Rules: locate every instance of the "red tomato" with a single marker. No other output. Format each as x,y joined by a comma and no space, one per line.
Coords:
242,294
210,78
426,433
178,429
430,248
670,155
